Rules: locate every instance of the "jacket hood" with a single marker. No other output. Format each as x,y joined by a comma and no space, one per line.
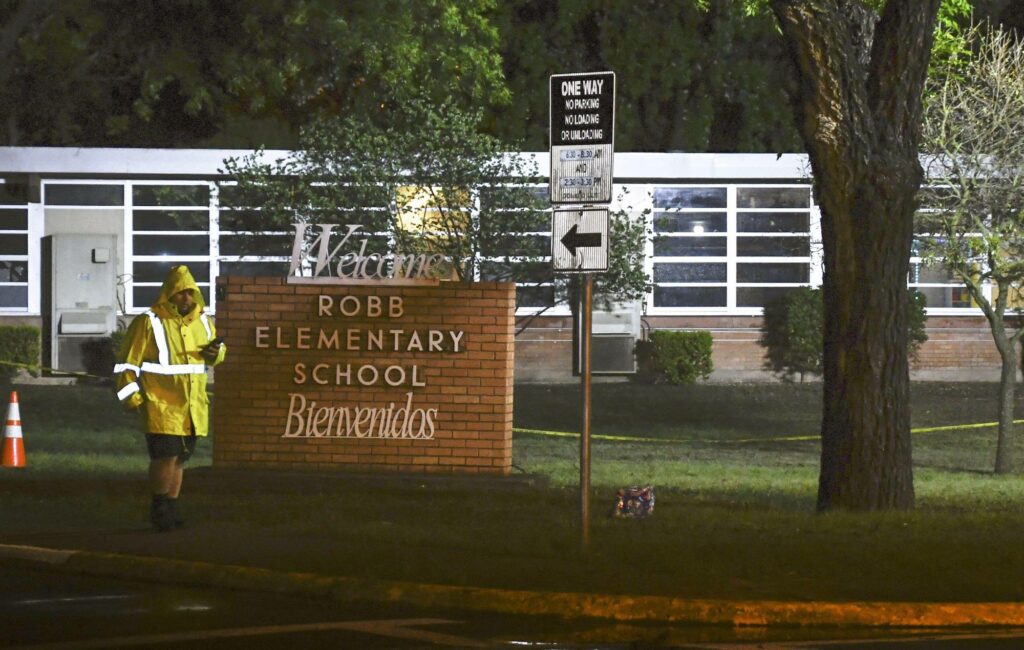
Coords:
178,279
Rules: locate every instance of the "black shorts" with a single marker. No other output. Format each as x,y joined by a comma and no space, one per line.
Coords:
165,445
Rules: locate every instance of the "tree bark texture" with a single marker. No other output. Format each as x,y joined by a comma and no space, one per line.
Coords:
1006,344
859,112
1007,391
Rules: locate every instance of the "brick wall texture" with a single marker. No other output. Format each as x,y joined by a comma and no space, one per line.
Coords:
367,407
959,348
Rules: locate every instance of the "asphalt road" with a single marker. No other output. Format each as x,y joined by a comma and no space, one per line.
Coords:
44,609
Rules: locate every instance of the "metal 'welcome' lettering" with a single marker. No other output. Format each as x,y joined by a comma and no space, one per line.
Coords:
314,260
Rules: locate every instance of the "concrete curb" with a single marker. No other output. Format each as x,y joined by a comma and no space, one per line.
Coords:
563,604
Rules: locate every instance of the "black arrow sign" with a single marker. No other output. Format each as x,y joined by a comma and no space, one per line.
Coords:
573,240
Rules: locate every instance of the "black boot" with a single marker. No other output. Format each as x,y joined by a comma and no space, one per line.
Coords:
160,513
172,509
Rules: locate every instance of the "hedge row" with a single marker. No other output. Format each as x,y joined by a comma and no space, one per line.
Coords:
19,344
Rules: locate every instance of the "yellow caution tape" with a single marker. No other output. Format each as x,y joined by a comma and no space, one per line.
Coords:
28,366
598,436
980,425
777,439
568,434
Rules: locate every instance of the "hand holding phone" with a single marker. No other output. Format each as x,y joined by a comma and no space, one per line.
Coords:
211,349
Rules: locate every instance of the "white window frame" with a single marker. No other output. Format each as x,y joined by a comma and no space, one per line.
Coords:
40,231
32,233
209,259
986,287
805,260
557,283
732,258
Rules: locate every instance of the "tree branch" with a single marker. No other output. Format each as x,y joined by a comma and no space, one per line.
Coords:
899,64
828,44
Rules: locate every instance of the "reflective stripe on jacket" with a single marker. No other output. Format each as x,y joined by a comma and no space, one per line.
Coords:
162,368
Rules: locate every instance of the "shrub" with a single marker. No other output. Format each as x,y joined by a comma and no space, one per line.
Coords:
674,357
792,332
916,334
100,355
19,344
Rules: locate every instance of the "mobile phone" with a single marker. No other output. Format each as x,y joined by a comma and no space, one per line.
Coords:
215,341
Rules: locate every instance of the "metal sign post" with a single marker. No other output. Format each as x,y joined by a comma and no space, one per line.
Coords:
582,130
579,244
586,313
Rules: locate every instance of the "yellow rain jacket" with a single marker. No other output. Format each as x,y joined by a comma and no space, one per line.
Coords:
162,368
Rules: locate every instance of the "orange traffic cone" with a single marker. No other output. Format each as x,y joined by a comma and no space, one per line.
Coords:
14,446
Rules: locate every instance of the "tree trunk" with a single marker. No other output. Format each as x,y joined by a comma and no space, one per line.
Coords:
866,452
1007,390
995,312
859,113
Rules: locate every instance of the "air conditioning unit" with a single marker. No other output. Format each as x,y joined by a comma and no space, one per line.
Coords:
613,337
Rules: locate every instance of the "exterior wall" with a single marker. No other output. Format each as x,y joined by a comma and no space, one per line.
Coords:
726,229
469,384
544,351
21,321
959,348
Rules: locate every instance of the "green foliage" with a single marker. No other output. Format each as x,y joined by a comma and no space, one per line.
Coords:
917,319
433,183
686,79
675,357
626,279
970,133
792,331
974,224
417,178
100,355
700,76
139,78
951,49
19,344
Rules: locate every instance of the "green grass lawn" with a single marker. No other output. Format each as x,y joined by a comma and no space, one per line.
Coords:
733,442
734,517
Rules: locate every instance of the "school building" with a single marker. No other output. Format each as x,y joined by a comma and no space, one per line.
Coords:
87,235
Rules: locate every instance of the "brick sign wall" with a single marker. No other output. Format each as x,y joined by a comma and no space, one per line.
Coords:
400,378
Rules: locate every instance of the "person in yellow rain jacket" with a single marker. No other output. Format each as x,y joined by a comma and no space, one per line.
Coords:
163,374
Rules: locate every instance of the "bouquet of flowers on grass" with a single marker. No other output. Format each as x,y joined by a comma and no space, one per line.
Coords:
636,501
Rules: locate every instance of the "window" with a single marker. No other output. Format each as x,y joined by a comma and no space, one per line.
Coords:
14,190
941,289
243,236
74,194
254,243
170,225
13,257
691,247
773,242
725,247
517,245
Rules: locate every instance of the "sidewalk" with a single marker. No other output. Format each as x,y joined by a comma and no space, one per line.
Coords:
223,552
